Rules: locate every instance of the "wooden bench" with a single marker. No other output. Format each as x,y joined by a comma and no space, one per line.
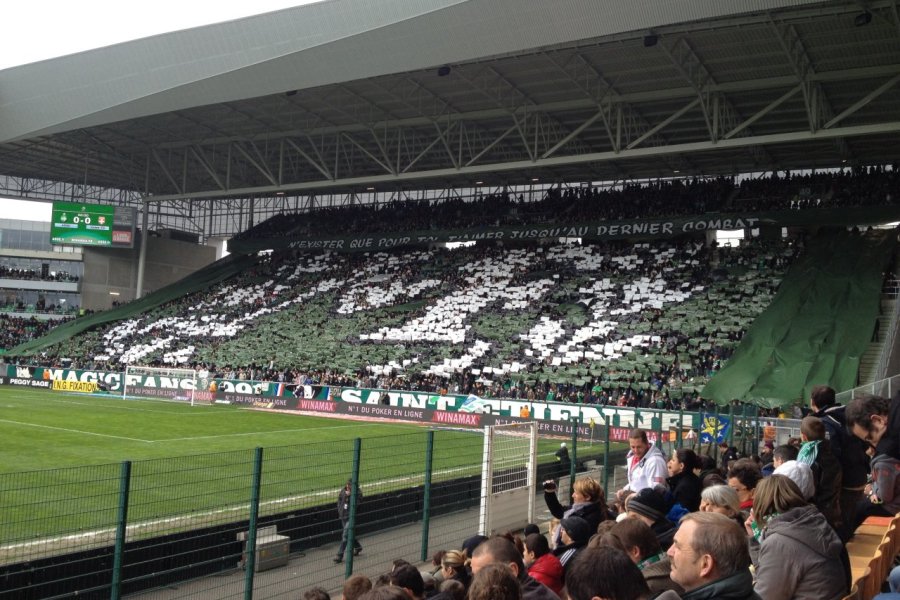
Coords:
872,550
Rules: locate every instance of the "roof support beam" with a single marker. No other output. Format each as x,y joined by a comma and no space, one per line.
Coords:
365,151
165,170
764,111
259,166
863,101
676,115
201,158
319,166
528,165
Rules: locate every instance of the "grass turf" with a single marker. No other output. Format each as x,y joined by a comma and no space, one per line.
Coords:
60,461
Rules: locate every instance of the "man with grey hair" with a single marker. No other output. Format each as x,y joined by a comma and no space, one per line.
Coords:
710,559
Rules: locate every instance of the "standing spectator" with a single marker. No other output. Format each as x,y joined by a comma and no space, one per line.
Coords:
800,555
564,463
646,465
541,563
849,450
816,452
684,485
345,497
606,573
587,502
710,560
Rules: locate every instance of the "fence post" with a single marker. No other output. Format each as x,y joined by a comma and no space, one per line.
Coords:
115,591
250,548
608,423
732,422
680,433
715,434
426,500
354,498
574,461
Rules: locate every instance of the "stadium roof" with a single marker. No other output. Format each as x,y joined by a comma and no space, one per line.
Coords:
350,95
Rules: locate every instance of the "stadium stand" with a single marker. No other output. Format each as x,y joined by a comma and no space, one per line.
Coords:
633,323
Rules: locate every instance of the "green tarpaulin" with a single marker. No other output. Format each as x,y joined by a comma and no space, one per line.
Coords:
816,328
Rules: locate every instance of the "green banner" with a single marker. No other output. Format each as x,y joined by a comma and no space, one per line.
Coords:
599,230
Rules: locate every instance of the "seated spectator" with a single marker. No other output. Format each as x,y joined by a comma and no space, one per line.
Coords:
709,474
409,579
450,590
633,537
316,593
710,560
588,502
882,496
495,582
722,499
384,592
455,565
575,535
816,452
742,478
541,563
355,586
501,550
684,485
606,573
649,505
800,555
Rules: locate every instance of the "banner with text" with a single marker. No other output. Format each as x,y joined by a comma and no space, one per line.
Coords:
599,230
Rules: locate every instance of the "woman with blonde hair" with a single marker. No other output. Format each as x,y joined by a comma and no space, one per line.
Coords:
454,565
800,555
588,502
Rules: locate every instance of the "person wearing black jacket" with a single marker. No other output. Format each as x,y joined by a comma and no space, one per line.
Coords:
588,502
847,448
684,485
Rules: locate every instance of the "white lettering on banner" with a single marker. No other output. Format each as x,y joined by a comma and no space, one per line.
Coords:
351,395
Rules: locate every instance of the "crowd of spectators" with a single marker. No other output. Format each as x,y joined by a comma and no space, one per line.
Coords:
770,526
7,272
568,204
281,281
17,330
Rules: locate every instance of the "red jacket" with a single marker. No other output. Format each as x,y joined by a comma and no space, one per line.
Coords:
548,570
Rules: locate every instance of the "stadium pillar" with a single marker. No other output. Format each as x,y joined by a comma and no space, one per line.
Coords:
354,499
608,425
115,591
573,464
426,499
250,563
142,257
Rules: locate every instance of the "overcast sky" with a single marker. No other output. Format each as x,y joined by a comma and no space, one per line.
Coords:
36,30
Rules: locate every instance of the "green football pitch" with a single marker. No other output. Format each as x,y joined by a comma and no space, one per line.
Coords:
60,460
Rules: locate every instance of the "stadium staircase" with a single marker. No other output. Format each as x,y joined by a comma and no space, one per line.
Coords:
818,326
203,279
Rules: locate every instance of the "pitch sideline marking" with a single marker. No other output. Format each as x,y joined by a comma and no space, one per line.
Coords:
107,435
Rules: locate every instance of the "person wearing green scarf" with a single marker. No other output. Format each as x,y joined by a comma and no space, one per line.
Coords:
827,474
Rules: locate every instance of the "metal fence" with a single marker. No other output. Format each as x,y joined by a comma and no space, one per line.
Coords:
886,388
180,527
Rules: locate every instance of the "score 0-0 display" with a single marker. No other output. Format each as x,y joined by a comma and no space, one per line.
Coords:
82,224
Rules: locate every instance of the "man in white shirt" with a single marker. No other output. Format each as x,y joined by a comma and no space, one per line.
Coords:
646,465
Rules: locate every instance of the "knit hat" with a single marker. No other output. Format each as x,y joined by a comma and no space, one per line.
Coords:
577,528
649,503
471,543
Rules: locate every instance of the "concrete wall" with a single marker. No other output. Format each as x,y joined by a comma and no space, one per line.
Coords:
108,272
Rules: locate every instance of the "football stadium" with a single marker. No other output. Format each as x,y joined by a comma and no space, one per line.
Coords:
463,299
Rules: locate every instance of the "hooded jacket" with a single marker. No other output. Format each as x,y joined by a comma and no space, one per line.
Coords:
650,471
800,558
549,571
738,586
890,441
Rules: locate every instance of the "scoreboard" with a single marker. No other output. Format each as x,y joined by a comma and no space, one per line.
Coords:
82,224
